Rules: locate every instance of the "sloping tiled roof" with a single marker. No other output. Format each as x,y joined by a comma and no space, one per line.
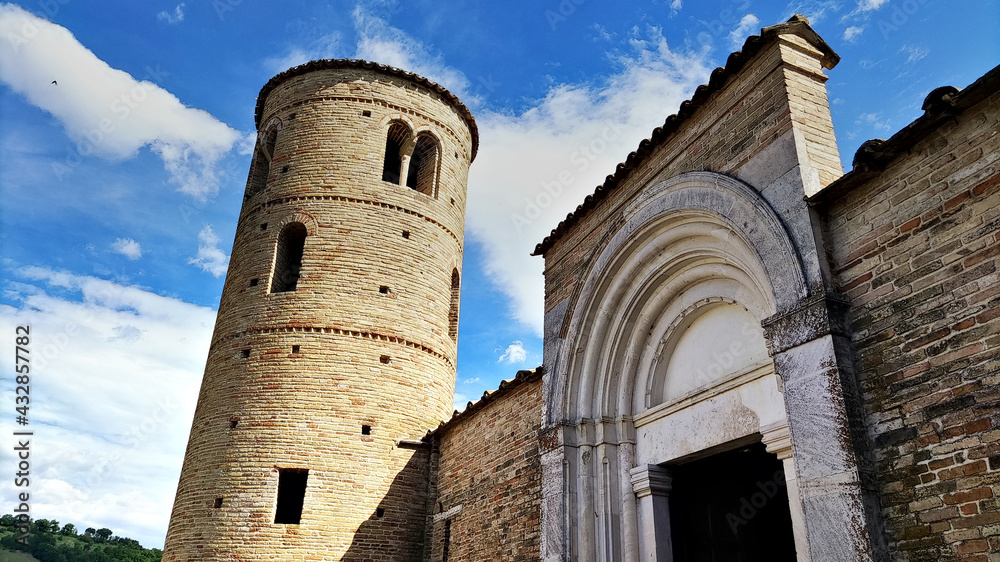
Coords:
325,64
797,25
491,396
940,106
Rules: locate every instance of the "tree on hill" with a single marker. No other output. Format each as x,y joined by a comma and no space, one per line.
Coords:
47,542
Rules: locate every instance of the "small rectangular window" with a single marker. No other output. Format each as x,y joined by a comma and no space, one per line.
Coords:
385,359
218,503
254,282
384,290
244,353
295,349
291,495
366,430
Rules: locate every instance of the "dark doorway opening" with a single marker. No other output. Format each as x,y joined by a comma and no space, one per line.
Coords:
731,507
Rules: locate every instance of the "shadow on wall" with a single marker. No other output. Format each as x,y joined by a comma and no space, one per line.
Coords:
395,530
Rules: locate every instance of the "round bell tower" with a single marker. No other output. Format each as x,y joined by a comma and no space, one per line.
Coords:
335,344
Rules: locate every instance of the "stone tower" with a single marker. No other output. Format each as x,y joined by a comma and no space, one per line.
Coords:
335,345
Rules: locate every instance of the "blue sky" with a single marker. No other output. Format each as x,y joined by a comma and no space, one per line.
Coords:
121,183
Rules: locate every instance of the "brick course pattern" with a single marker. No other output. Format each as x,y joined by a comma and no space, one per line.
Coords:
488,477
916,248
363,339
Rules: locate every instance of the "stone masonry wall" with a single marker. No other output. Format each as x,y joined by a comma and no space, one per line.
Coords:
916,249
489,478
345,374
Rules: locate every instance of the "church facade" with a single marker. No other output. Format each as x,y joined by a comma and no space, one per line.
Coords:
749,355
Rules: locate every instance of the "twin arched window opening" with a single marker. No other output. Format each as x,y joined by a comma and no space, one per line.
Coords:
411,161
288,258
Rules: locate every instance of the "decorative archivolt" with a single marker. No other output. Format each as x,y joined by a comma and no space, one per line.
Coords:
697,243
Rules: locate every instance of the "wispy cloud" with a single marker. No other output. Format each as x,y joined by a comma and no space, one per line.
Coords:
378,41
127,247
107,112
177,16
210,257
852,33
871,5
676,6
914,53
119,369
324,47
515,354
747,26
873,120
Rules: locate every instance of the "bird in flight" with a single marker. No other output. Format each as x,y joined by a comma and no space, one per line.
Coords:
56,83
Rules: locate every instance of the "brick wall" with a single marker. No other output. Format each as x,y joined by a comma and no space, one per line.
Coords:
916,248
489,478
302,372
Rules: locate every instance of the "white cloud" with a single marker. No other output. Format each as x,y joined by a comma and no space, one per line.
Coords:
107,112
325,47
535,167
873,120
115,377
747,26
870,5
210,257
472,380
380,42
852,33
176,17
127,247
676,6
461,401
913,53
515,354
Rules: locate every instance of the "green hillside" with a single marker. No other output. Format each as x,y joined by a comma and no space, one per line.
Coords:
47,541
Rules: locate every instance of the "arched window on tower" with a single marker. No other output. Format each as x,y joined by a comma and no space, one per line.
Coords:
395,141
261,167
288,258
453,310
423,165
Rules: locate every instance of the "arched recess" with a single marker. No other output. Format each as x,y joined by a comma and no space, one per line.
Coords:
397,139
423,169
260,169
288,258
695,252
456,284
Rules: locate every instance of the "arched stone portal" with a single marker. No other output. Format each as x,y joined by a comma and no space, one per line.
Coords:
665,360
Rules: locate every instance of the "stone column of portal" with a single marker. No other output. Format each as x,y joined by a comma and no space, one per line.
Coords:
841,515
652,485
778,440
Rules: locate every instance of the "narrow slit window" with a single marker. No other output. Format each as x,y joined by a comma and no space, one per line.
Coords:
422,173
261,166
291,495
395,141
288,258
447,540
453,309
